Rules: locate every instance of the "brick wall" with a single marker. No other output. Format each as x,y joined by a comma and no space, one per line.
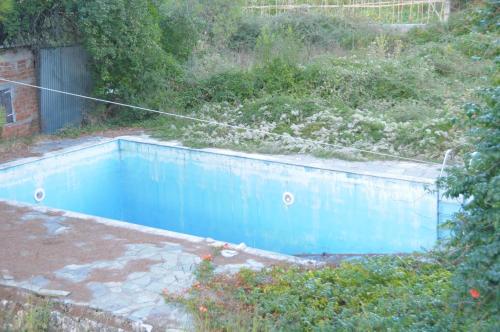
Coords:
18,64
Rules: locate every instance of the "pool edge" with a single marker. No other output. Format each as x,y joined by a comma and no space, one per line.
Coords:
271,159
166,233
224,152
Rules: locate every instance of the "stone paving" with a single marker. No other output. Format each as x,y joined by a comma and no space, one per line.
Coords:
114,269
139,294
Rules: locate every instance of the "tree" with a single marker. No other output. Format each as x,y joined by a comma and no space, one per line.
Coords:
123,39
41,23
5,9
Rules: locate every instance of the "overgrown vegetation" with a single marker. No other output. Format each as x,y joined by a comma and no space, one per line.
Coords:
412,293
325,79
34,316
475,245
455,289
315,77
37,318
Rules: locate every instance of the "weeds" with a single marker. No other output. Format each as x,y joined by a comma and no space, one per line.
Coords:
34,316
37,318
394,94
376,294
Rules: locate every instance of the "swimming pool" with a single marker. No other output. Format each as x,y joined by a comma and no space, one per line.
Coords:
266,204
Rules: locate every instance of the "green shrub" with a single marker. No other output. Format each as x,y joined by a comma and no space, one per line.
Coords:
324,31
246,35
220,19
181,29
6,7
428,34
124,42
478,45
276,76
311,30
231,86
379,294
41,23
283,46
480,17
37,318
475,244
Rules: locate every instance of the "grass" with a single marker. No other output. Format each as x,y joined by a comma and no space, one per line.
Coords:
13,146
37,318
34,318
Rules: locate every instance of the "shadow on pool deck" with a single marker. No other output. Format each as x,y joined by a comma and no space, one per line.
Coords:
113,269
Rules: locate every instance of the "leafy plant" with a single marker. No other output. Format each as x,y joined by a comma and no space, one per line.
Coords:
475,242
41,23
181,28
377,294
124,42
283,46
5,8
37,318
220,19
3,118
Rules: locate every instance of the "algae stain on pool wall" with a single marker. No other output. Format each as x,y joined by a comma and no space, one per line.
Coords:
233,198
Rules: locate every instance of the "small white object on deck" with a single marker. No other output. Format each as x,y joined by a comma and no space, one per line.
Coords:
228,253
241,246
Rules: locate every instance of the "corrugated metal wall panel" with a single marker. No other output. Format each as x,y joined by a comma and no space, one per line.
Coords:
66,69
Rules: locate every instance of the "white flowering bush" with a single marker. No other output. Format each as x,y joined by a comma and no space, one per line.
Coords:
396,106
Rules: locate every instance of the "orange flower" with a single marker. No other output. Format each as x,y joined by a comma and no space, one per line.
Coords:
203,309
197,285
207,257
474,293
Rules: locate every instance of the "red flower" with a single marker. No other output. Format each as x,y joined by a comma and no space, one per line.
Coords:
202,309
474,293
207,257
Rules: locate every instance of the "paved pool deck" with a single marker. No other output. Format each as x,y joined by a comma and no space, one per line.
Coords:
123,269
111,268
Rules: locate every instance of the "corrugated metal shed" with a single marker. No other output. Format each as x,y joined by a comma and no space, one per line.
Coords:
66,69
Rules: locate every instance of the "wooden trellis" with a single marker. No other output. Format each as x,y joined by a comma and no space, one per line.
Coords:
384,11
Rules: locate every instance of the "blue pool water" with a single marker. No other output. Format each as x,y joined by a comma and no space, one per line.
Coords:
234,199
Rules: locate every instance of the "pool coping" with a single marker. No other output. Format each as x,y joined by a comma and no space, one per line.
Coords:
166,233
214,151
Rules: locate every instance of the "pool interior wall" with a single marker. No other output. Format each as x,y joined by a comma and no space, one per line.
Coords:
234,199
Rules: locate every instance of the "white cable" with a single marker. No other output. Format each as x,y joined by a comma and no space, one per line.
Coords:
217,123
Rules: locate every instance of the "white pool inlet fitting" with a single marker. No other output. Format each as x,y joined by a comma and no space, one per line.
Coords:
39,195
288,198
